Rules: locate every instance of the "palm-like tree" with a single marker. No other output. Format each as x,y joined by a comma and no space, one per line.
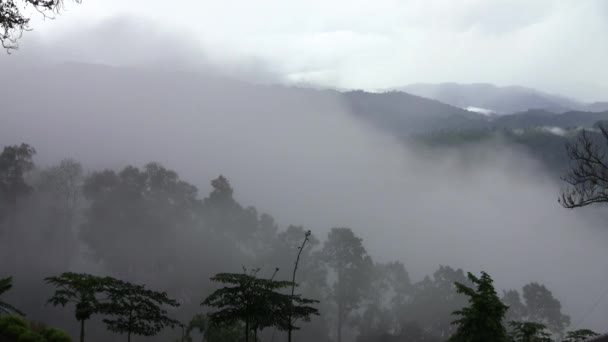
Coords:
5,285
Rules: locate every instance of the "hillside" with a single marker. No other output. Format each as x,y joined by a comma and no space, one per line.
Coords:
501,100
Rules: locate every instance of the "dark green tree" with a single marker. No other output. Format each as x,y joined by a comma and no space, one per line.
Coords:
256,302
529,332
482,320
580,335
344,253
15,162
13,21
85,291
5,285
133,309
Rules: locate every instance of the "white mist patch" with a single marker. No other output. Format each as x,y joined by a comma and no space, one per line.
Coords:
554,130
483,111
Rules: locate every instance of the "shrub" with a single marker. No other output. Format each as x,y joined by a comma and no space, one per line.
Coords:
30,336
55,335
12,326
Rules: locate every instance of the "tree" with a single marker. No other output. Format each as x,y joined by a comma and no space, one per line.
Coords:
290,316
13,21
517,310
136,310
61,188
543,308
588,174
82,290
345,255
482,320
134,205
15,162
580,335
434,299
529,332
5,285
256,302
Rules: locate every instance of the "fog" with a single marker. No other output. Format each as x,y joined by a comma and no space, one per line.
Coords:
299,155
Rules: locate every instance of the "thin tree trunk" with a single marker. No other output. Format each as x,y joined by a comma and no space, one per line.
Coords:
130,325
293,286
82,330
246,331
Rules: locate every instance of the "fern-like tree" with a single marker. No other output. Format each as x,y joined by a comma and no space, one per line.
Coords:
5,285
133,309
85,291
580,335
529,332
481,321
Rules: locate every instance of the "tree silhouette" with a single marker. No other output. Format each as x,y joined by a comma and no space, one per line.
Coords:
5,285
256,302
579,335
136,310
82,290
588,174
15,162
344,253
529,332
13,21
481,321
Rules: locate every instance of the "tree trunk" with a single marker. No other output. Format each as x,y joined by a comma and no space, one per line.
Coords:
130,325
82,330
246,331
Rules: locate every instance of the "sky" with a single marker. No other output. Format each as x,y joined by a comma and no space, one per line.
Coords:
557,46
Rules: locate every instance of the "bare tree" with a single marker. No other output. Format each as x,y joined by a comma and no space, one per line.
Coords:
14,19
588,173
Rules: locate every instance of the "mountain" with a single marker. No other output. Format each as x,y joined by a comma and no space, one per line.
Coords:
501,100
541,118
403,114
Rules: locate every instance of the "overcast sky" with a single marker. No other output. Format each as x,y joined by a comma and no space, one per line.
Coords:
554,45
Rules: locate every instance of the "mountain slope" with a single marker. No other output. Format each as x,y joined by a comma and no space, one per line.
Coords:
501,100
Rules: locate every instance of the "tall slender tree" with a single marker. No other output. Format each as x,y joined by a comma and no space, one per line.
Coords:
344,253
15,162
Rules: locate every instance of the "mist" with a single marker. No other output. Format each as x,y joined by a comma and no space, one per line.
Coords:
109,98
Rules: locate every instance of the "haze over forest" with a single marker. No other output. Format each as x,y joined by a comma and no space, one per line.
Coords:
453,171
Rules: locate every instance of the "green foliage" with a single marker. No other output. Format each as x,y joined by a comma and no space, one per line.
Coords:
30,336
256,302
529,332
136,310
5,285
55,335
579,335
12,326
482,320
80,289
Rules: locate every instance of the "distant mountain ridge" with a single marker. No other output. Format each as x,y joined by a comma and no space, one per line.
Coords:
501,100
